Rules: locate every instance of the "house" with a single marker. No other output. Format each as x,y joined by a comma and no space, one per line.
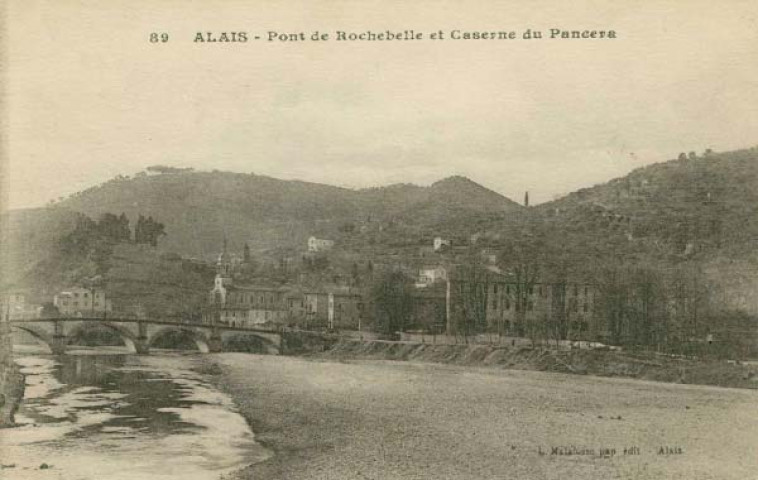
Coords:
251,305
430,275
441,244
514,308
319,244
82,302
489,256
14,305
338,308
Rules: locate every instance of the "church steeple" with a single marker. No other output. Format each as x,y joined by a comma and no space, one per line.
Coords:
224,262
246,253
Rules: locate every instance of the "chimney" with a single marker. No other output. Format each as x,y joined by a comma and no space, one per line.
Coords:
526,198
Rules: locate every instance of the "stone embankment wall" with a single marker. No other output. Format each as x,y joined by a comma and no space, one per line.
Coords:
11,379
643,366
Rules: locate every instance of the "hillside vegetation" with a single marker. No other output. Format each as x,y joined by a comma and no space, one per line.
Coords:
695,216
680,209
199,208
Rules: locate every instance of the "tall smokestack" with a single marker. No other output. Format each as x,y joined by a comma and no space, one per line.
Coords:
526,198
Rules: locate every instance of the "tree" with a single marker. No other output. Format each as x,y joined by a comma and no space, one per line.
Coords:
523,258
648,322
114,228
162,169
612,305
468,293
633,301
148,231
392,302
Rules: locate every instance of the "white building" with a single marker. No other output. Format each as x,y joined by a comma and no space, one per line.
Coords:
441,243
82,302
430,275
319,244
13,304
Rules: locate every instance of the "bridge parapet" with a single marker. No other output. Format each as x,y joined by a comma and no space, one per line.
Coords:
139,334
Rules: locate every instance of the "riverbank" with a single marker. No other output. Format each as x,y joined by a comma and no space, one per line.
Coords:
604,363
11,380
11,393
328,419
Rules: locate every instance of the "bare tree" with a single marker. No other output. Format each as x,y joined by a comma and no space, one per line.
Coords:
392,302
468,290
522,260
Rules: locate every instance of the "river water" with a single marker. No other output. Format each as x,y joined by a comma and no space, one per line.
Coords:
92,416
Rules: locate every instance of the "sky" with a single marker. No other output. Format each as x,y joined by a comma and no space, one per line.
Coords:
88,97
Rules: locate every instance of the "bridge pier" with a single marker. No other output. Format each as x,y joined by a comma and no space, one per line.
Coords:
142,348
58,345
215,342
142,345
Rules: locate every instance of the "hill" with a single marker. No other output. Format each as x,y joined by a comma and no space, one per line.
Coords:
200,208
689,208
698,210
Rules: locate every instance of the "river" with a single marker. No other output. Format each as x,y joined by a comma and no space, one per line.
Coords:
99,416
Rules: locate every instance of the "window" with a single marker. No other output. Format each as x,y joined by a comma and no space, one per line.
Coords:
86,295
507,303
494,289
76,295
530,306
494,303
585,307
507,289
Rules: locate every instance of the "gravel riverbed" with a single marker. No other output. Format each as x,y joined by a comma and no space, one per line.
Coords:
384,420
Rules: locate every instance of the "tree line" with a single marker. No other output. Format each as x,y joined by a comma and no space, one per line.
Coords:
628,302
110,229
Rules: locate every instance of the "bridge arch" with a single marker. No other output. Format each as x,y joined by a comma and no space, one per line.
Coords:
129,339
40,335
271,346
200,339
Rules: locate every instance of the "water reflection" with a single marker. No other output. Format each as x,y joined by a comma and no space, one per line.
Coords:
100,416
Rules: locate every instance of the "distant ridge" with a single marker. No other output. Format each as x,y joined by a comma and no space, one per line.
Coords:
684,208
199,208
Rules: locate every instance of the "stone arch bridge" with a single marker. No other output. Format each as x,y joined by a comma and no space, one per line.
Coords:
140,334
